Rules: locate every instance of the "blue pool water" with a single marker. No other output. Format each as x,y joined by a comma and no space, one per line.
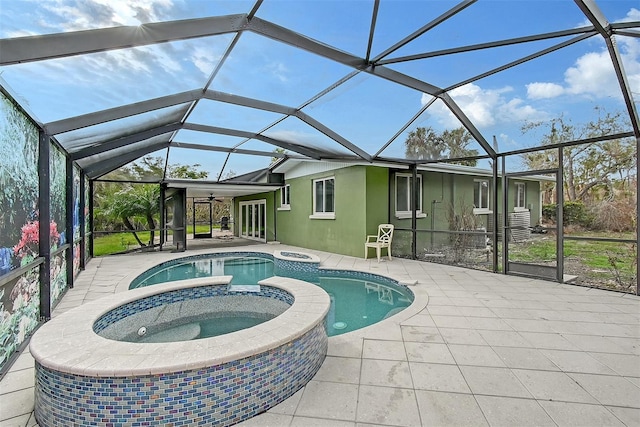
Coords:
357,299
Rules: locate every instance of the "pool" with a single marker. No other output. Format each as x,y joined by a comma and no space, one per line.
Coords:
357,299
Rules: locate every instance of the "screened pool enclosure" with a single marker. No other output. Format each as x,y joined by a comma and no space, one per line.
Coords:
542,90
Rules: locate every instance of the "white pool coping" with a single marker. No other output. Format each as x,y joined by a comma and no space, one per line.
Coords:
68,343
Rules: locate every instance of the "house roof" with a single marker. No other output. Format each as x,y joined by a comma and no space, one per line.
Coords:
329,81
296,168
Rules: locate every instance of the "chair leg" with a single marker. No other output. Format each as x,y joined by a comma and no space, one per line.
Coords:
366,252
378,253
389,252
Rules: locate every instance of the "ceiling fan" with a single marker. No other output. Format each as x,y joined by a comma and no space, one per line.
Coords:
212,198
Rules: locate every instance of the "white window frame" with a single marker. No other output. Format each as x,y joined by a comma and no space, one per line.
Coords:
285,198
520,187
322,214
481,209
403,214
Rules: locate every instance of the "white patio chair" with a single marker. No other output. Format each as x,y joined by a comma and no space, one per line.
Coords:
380,241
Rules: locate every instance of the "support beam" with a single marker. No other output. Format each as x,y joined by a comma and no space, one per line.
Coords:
333,135
107,164
430,25
124,141
305,151
248,102
487,45
37,48
455,109
124,111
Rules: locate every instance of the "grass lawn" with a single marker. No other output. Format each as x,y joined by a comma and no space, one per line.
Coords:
610,264
107,244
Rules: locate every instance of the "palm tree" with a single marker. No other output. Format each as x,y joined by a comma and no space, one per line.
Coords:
423,144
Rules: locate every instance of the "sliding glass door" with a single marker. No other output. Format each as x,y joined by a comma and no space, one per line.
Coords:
253,220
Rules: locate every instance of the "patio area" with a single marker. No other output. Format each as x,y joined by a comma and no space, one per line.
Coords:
475,348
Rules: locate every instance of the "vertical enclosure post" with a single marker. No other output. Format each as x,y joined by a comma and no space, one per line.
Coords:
505,231
83,231
91,230
560,217
415,197
494,207
69,221
44,218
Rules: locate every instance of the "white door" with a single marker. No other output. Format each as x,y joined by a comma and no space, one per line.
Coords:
253,220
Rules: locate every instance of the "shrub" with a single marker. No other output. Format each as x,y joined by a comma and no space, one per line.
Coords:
616,215
573,213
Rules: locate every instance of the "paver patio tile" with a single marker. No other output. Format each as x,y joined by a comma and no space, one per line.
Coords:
510,412
525,358
428,352
580,415
629,416
577,361
328,400
462,336
419,320
609,390
340,370
493,381
553,341
451,321
475,355
380,349
19,421
505,339
15,380
387,373
387,406
593,343
558,386
421,334
623,364
340,347
288,407
319,422
436,377
489,323
16,403
267,419
449,409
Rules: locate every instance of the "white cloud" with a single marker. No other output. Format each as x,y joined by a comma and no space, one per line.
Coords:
204,59
593,75
484,107
279,71
543,90
89,14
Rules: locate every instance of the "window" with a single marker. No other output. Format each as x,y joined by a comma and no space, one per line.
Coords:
403,196
323,198
285,198
521,196
481,196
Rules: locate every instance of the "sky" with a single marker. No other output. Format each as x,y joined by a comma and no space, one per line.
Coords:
366,110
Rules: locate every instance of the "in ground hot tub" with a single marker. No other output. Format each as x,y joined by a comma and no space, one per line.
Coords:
88,374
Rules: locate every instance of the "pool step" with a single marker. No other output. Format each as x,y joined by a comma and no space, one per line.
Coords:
243,288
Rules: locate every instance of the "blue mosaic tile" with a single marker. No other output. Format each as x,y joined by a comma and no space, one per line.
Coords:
219,395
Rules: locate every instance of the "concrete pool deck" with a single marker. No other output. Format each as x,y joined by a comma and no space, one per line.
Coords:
487,349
